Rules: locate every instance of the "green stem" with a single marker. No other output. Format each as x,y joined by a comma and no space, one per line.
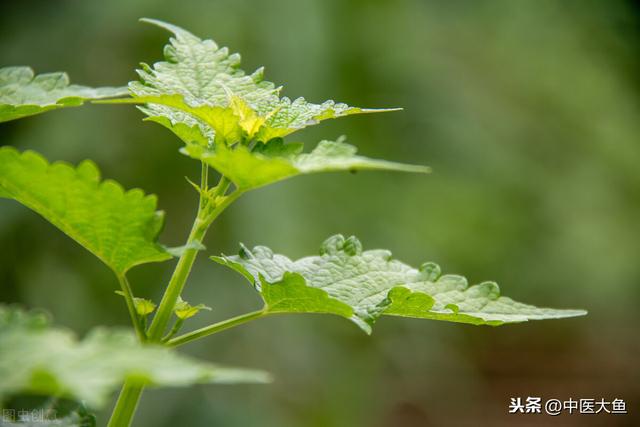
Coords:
125,406
216,327
204,184
183,269
174,330
128,296
228,200
222,186
178,279
130,395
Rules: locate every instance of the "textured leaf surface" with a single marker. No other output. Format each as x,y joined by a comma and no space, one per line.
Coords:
37,358
208,77
119,227
363,285
22,93
276,161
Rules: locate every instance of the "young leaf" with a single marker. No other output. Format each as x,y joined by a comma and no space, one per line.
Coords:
275,161
120,228
143,306
24,94
208,77
40,359
363,285
183,310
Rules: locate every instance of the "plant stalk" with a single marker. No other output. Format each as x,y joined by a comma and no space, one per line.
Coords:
126,405
183,269
215,328
128,296
178,279
130,394
174,330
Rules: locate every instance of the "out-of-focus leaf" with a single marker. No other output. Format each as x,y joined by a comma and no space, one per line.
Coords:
23,94
37,358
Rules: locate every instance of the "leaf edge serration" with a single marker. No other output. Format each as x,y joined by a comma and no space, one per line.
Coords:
87,170
398,299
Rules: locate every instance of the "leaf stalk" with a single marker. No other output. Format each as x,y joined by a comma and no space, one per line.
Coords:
216,327
131,307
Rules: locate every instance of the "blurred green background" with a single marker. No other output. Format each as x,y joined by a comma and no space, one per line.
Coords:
528,112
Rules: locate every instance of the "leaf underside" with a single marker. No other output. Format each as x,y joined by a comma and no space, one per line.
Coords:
363,285
37,358
119,227
23,94
275,161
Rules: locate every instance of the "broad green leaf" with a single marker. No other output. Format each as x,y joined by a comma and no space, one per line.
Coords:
143,306
22,93
363,285
276,161
119,227
183,310
209,78
40,359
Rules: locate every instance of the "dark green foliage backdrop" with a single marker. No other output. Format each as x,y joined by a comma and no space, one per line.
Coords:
528,113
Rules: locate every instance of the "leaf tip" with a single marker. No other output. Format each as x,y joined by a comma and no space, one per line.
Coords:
363,325
576,313
165,25
381,110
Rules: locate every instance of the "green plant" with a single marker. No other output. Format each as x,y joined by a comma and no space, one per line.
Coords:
233,123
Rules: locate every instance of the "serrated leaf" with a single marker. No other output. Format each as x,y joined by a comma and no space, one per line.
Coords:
183,310
143,306
274,162
371,284
209,77
22,93
40,359
120,228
